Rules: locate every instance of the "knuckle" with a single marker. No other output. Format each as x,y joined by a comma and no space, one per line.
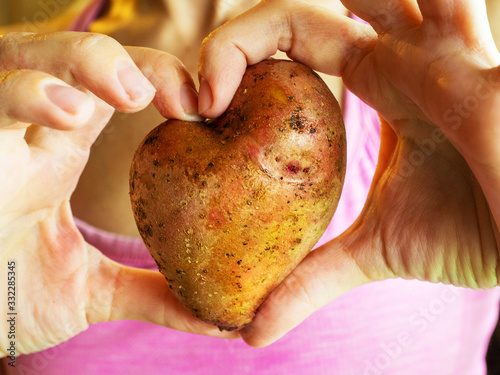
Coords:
206,45
12,50
216,40
165,62
6,43
90,43
10,39
6,77
174,66
174,61
296,288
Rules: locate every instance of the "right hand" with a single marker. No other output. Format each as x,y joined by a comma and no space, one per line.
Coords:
431,70
57,92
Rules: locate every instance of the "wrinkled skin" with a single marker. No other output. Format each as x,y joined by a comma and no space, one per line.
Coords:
229,207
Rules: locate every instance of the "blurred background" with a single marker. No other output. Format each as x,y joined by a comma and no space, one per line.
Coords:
30,11
14,11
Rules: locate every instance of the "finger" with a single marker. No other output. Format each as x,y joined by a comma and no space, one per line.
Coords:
449,13
386,15
117,292
176,95
69,150
94,61
309,34
28,96
464,18
388,144
323,275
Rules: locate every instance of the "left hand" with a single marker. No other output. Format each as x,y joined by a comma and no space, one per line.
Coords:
57,92
431,73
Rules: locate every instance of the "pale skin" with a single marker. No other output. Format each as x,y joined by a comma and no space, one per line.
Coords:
406,69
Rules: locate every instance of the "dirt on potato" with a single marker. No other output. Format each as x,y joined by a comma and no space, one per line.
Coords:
229,207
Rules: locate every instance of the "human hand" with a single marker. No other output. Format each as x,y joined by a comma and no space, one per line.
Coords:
69,84
430,70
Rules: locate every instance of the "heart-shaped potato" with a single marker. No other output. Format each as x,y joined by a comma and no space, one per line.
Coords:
228,207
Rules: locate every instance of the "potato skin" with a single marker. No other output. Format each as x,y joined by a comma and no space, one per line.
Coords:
228,207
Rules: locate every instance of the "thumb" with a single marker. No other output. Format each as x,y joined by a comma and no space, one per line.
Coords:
323,275
327,272
117,292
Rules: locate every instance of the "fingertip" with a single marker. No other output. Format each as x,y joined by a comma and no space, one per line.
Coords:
178,103
205,99
176,96
73,107
138,91
248,334
189,102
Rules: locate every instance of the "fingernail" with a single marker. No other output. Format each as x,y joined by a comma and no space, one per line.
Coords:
69,99
137,87
205,98
189,99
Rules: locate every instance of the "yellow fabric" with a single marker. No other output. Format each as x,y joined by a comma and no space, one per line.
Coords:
49,14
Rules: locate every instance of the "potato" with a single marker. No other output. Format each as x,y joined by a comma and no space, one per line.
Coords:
228,207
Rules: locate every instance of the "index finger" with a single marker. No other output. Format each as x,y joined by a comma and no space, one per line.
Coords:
94,61
312,35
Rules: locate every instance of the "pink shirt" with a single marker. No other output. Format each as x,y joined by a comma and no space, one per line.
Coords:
390,327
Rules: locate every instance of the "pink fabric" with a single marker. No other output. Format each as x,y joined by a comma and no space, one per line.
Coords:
83,21
390,327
